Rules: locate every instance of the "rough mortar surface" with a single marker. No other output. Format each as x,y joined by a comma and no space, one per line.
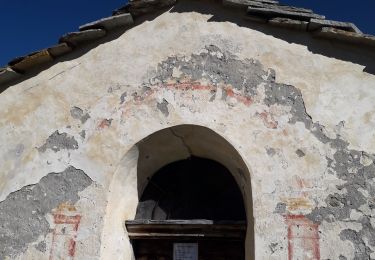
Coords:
23,212
58,141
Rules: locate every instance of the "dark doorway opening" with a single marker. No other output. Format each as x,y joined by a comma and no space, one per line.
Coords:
195,188
194,201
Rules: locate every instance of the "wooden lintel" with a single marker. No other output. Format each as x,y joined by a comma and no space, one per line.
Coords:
166,229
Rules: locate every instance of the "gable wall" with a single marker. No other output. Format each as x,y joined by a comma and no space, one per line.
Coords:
302,122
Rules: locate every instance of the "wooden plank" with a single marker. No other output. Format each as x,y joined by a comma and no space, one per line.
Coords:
151,229
184,221
231,236
207,248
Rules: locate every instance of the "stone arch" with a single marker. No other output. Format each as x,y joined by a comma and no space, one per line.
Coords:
148,156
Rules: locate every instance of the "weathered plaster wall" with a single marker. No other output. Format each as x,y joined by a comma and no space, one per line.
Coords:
302,122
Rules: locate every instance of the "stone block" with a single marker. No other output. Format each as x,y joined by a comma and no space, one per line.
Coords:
265,1
349,37
109,23
316,24
256,19
28,62
235,3
246,3
7,74
289,23
59,50
139,7
76,38
277,12
281,7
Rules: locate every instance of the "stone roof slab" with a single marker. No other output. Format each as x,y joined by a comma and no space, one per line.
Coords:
109,23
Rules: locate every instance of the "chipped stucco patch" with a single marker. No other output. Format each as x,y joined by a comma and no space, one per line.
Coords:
354,195
163,107
78,113
320,79
59,141
23,212
215,66
355,168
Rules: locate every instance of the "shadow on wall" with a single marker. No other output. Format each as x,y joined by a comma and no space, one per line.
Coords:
364,56
78,52
81,50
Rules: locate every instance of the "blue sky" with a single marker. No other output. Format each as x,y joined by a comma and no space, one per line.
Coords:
32,25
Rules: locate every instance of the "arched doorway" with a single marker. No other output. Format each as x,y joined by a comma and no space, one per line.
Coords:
191,202
194,188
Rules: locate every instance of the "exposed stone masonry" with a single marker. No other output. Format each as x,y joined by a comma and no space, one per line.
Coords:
355,168
23,212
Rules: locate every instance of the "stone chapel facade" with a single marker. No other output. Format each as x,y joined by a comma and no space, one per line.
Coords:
234,129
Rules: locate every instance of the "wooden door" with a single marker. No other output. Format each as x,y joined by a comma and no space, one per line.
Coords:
208,249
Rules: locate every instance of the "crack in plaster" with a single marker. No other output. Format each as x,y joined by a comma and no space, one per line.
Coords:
355,168
188,149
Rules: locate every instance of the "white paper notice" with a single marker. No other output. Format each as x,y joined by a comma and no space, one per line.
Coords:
185,251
